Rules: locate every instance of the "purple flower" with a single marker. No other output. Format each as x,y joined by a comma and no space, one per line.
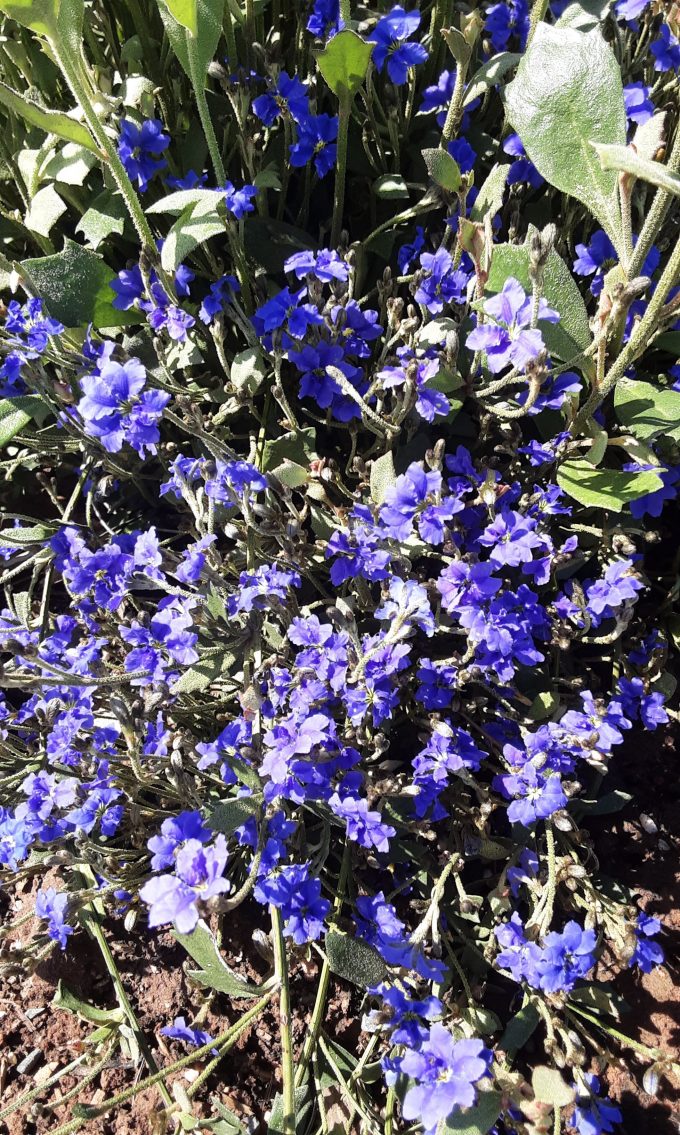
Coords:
239,201
567,956
115,410
324,265
521,169
506,19
139,147
510,340
198,876
175,831
364,826
446,1072
639,106
51,907
647,954
441,284
594,258
534,795
324,20
390,37
593,1115
179,1030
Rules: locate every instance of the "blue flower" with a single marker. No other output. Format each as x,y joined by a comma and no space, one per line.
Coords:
647,954
116,408
510,340
316,140
198,876
239,201
445,1074
179,1030
297,894
521,169
594,259
324,20
505,20
139,147
639,106
666,50
51,907
440,283
462,152
593,1115
390,37
287,96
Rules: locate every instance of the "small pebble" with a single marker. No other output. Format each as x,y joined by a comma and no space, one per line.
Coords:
29,1061
648,824
36,1011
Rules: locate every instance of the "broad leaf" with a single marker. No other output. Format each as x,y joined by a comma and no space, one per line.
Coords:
584,14
106,215
297,446
475,1120
354,959
214,972
193,227
44,211
186,13
604,488
209,14
567,95
75,286
490,75
572,334
344,62
390,186
443,169
625,158
51,121
232,814
383,476
38,15
207,670
647,411
550,1087
17,412
519,1029
176,203
70,164
22,537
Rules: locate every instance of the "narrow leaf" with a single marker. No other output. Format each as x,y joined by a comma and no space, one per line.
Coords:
625,158
214,972
51,121
353,959
17,412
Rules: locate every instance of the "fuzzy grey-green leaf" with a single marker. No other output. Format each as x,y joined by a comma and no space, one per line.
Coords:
567,95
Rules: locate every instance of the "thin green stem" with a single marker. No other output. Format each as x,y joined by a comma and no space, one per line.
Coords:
70,69
341,166
656,215
228,25
226,1040
289,1124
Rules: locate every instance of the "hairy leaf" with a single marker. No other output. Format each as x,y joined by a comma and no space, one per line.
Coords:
647,411
604,488
626,159
214,972
75,286
353,959
51,121
344,62
566,96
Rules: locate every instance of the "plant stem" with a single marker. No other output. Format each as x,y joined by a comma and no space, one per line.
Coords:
341,166
203,109
289,1122
538,11
455,111
639,340
225,1041
69,68
656,215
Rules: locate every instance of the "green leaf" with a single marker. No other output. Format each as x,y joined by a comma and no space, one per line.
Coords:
51,121
650,136
186,14
354,959
214,972
204,672
178,202
604,488
38,15
44,211
584,14
543,706
626,159
209,15
270,242
572,334
297,446
443,169
65,999
490,196
550,1087
390,186
490,74
344,62
669,341
22,537
519,1029
383,476
647,411
70,165
106,215
475,1120
248,370
15,413
193,227
277,1118
606,805
231,814
566,96
75,287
